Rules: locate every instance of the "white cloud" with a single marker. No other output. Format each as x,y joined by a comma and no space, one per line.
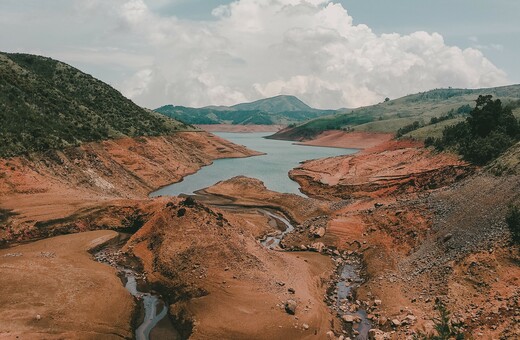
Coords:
258,48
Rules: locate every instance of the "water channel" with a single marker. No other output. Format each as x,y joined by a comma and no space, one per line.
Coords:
271,168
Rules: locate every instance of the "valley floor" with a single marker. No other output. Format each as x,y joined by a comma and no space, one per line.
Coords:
426,226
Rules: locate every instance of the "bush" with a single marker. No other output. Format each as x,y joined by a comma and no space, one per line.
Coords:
445,329
513,222
408,128
489,131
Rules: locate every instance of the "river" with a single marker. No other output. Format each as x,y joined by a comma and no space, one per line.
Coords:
271,168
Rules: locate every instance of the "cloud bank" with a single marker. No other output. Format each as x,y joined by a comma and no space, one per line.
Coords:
259,48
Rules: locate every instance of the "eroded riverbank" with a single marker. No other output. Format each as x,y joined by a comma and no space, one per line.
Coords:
152,308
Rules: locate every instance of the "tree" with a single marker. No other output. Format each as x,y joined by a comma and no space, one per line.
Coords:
489,130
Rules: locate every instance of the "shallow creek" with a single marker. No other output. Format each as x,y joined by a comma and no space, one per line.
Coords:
348,280
154,307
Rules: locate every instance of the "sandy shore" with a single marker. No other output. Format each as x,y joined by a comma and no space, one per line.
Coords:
239,128
354,140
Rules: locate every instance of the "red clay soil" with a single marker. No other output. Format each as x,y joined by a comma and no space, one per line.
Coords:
222,282
58,184
52,289
246,191
427,228
386,169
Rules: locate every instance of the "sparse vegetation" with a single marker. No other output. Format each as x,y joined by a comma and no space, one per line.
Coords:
445,329
46,104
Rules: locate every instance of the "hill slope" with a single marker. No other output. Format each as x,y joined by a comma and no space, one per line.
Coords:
392,115
277,110
46,104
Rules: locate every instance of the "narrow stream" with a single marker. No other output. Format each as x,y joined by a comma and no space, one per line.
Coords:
349,279
154,307
273,240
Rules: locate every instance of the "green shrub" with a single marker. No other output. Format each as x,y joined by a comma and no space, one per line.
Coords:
445,329
489,130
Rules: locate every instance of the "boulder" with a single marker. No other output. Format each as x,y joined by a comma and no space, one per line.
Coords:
348,318
396,323
317,246
318,232
290,307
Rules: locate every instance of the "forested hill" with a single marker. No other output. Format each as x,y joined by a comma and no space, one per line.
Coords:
46,104
282,110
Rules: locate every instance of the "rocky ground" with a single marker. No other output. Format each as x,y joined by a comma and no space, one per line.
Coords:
222,283
417,226
428,227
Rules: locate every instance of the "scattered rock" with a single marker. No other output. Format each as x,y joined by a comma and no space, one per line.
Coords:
38,317
305,326
291,290
377,302
396,323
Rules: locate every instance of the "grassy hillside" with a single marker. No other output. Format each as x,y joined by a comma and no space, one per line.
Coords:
282,110
46,104
392,115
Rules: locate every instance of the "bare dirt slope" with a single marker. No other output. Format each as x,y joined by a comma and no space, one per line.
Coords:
222,283
389,168
428,226
52,289
58,184
239,128
343,139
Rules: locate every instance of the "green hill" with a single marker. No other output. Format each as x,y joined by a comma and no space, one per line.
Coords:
46,104
392,115
278,104
277,110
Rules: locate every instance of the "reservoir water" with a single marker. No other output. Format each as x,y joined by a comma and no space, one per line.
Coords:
271,168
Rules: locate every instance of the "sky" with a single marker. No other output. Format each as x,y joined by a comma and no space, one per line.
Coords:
329,53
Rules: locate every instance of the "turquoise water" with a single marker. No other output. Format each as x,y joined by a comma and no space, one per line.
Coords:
272,168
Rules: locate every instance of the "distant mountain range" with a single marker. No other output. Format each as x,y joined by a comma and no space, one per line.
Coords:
451,105
281,109
46,104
